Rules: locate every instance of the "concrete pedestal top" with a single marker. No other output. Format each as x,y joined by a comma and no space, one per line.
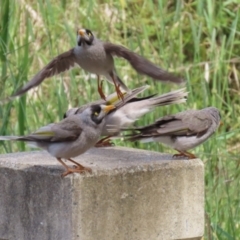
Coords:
131,194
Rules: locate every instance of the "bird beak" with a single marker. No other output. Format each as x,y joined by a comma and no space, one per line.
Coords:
107,108
81,32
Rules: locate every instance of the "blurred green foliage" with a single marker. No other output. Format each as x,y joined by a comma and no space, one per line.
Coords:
198,39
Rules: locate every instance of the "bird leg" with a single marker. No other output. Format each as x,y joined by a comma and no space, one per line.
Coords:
105,142
100,85
185,154
78,168
119,93
117,88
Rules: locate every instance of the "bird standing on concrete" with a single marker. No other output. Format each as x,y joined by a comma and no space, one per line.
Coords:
70,137
95,56
182,131
129,111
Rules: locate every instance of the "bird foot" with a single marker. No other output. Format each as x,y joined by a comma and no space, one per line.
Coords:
191,156
104,143
76,169
185,154
179,155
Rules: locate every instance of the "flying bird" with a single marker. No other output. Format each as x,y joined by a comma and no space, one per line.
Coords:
96,56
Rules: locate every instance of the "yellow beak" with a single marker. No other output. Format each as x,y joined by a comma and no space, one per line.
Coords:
81,32
108,108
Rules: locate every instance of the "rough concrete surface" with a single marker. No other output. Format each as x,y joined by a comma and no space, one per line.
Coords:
132,194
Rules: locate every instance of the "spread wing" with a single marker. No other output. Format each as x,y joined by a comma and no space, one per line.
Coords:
58,65
140,64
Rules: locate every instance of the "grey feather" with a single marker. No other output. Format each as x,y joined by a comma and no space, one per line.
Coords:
59,64
69,137
140,64
182,131
95,56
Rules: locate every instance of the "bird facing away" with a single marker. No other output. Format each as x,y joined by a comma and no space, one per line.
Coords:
95,56
128,112
182,131
70,137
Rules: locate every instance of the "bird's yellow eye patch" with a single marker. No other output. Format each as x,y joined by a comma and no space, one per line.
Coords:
89,34
96,113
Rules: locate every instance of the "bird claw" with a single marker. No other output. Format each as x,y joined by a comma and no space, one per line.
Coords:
191,156
106,143
119,93
76,169
184,154
178,155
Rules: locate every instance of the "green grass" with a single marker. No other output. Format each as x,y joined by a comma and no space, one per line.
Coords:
199,40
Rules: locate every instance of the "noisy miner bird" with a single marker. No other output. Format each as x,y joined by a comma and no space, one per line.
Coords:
111,99
182,131
95,56
70,137
129,111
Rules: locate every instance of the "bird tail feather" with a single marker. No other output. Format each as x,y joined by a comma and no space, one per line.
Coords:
9,138
173,97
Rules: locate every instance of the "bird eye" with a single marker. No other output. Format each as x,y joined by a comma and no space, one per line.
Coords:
96,113
89,34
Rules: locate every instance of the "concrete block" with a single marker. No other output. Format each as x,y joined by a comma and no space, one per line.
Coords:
132,194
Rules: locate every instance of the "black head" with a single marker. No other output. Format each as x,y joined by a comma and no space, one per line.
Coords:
96,115
84,36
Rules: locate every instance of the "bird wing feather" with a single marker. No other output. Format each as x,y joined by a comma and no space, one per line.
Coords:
140,64
178,125
58,65
66,130
188,125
